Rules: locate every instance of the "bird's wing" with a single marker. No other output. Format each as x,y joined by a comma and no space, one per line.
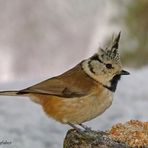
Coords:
73,83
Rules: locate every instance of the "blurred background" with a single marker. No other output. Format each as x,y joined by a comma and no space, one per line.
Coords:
43,38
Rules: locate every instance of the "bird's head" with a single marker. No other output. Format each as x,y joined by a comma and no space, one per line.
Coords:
105,66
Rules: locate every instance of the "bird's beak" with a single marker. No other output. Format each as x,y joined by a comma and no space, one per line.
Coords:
123,72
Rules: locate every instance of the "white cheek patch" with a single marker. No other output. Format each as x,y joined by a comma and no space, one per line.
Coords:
97,72
97,67
85,66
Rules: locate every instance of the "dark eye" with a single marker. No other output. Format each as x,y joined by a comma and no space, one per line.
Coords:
109,66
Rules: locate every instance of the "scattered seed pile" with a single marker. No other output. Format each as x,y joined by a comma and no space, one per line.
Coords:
134,133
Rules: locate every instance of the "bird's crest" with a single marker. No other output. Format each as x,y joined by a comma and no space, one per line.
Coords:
112,51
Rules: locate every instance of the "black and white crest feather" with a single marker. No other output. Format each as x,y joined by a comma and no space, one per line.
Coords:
112,51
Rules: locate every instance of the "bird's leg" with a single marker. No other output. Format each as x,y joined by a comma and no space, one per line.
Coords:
82,132
85,127
75,127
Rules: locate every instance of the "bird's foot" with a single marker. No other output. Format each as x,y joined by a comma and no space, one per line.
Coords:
82,132
87,132
76,128
88,129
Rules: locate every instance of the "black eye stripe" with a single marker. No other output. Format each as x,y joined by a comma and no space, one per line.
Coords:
95,57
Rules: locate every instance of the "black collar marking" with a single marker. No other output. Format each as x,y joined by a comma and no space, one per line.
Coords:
114,83
114,80
90,67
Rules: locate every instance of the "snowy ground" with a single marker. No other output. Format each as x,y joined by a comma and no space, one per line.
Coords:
24,124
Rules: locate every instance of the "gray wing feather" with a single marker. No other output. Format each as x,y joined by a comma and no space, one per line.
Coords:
72,83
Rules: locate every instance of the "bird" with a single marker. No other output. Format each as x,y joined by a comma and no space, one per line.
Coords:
81,93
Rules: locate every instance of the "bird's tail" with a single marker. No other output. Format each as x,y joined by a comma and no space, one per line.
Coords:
19,93
9,93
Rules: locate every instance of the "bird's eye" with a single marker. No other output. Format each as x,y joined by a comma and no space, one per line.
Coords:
109,66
